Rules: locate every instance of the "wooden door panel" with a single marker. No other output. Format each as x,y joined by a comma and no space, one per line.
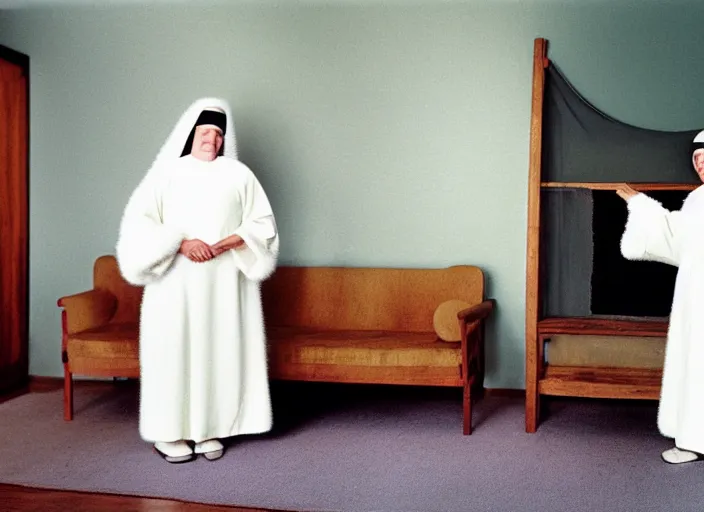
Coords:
14,140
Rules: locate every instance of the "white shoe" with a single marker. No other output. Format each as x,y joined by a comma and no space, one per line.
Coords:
211,449
175,451
677,456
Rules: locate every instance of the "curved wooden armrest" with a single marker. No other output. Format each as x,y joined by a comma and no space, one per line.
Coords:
87,310
476,312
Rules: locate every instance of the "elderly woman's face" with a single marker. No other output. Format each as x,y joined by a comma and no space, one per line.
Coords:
206,142
698,160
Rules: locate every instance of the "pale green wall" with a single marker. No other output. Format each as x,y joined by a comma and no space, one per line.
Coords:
384,135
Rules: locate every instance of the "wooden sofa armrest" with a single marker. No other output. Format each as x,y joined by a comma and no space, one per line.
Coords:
470,319
87,310
476,312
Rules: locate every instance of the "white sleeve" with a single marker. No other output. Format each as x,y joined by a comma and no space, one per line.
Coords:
652,232
258,229
146,247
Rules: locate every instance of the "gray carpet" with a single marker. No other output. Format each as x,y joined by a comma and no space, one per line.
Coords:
359,448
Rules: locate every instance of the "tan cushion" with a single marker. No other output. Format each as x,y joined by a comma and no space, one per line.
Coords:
112,340
365,348
445,320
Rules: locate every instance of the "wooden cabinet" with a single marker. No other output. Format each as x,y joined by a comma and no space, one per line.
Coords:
14,225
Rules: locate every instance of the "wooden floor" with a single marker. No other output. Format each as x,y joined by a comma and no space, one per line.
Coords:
15,498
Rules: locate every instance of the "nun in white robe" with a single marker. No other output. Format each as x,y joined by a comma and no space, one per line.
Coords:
202,336
653,233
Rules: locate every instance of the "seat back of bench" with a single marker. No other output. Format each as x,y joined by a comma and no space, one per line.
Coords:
366,298
106,275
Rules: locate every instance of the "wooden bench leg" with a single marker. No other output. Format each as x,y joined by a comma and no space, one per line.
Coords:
467,408
68,395
480,391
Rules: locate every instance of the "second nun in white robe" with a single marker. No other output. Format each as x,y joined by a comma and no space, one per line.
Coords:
676,238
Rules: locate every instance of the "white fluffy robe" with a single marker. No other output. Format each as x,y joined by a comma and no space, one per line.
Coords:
677,238
202,337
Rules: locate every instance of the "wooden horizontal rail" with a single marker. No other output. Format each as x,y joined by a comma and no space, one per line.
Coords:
441,376
594,382
602,327
614,186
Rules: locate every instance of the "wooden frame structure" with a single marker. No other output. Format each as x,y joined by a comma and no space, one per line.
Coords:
592,382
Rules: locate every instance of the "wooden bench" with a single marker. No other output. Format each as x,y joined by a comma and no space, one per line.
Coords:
325,324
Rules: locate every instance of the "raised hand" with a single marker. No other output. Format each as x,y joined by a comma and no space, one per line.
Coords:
196,250
625,192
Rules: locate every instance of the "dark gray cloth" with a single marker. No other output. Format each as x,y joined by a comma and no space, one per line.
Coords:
582,144
567,256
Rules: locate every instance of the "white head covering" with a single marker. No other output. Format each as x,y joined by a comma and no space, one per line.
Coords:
697,143
173,147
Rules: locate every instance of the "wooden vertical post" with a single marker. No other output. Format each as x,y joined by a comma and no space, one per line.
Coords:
533,363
